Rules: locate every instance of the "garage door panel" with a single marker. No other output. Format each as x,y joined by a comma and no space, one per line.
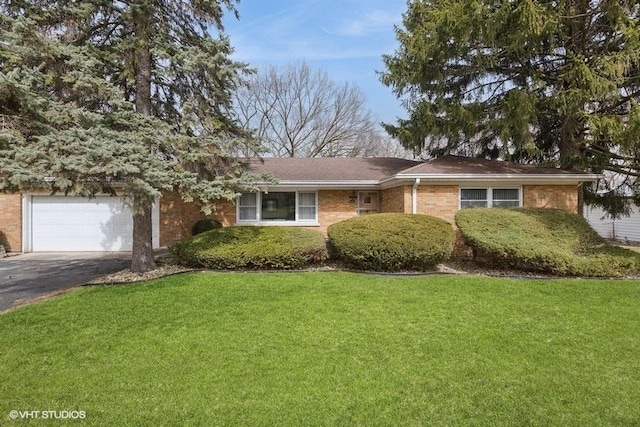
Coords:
79,224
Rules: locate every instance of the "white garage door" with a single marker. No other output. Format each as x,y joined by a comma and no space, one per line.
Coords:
80,224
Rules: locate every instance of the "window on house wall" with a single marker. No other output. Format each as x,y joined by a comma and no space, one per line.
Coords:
248,207
505,197
307,206
489,197
473,198
277,206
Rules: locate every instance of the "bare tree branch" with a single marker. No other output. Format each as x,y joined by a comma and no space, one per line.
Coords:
296,112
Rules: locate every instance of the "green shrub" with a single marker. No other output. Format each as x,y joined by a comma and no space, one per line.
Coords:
205,225
391,242
252,248
543,240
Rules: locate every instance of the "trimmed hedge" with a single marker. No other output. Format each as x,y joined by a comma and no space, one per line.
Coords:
543,240
391,242
252,248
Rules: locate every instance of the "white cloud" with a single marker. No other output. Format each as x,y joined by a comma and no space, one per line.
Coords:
373,21
311,30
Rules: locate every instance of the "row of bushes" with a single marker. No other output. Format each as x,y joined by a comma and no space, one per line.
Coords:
540,240
383,242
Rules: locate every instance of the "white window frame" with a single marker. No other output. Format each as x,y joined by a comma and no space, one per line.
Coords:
490,193
300,205
259,221
239,206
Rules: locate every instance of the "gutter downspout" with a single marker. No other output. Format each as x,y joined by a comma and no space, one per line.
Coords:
414,197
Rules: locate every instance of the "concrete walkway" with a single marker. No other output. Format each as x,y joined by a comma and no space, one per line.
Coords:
26,277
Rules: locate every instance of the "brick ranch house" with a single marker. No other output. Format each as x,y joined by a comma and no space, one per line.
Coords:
313,193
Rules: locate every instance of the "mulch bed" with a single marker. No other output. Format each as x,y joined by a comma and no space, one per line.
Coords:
167,267
461,267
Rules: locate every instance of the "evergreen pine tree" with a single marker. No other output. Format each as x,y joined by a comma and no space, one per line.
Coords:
96,96
535,81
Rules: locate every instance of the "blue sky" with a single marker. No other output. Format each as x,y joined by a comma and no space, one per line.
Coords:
346,38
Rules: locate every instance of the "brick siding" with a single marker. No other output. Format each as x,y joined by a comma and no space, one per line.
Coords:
392,200
11,222
563,197
438,200
442,201
396,200
334,206
177,217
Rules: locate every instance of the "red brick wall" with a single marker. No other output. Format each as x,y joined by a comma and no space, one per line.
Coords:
11,222
177,217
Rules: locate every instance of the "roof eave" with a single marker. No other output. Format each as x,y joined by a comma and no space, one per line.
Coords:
521,178
342,184
493,177
567,179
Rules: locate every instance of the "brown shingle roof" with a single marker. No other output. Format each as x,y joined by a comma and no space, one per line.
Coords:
332,168
373,170
455,165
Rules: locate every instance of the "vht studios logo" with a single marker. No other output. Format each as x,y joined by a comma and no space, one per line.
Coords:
50,415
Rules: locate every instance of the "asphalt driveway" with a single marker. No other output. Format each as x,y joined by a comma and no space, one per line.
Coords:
34,275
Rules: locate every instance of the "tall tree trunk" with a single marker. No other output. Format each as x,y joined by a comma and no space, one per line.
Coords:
572,131
142,258
142,251
568,144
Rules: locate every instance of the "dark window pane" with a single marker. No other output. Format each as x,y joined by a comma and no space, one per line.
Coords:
473,198
279,206
506,194
473,194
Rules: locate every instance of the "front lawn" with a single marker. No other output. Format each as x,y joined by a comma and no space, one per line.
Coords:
328,349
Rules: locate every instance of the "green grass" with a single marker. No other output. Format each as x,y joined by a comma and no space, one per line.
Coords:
329,349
